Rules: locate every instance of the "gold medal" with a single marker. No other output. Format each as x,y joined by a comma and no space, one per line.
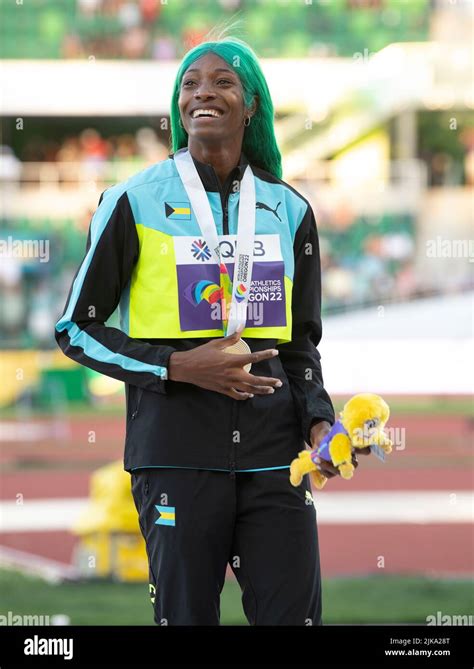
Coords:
240,348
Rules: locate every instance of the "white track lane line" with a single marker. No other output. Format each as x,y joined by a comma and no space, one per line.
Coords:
441,506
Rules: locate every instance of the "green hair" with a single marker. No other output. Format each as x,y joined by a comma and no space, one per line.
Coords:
259,142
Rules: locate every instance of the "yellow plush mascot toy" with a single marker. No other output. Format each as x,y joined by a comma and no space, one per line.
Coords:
360,424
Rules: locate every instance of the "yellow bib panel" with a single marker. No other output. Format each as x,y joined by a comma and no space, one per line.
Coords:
154,308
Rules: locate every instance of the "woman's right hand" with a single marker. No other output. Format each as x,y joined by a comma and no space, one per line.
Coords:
209,366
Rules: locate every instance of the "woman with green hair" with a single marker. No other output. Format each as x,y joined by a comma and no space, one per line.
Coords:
214,263
258,141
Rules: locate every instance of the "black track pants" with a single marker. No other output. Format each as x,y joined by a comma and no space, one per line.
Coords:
195,522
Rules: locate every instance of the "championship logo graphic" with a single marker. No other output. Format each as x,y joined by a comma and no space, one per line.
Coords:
202,284
212,293
200,250
202,290
240,292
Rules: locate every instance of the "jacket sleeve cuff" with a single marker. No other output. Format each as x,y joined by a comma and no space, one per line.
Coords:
163,357
330,419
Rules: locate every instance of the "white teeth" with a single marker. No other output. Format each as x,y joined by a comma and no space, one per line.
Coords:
211,112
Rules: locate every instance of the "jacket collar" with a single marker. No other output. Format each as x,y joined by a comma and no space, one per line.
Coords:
209,177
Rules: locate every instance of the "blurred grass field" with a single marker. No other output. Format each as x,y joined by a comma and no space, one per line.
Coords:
373,599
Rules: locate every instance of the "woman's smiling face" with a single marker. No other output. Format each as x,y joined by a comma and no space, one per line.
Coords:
211,101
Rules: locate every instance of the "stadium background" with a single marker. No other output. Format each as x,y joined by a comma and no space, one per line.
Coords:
374,115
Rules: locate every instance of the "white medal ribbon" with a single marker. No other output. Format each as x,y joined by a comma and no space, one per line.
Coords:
245,231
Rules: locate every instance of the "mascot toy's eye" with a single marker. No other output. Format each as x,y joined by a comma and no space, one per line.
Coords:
373,422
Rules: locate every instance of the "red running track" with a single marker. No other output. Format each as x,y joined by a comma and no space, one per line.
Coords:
436,457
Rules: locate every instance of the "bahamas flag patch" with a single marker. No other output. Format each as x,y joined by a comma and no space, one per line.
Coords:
178,211
167,515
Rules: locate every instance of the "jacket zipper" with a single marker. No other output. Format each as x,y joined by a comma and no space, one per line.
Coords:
137,406
225,230
225,221
224,204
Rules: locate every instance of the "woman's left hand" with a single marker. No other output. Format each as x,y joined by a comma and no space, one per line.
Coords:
317,434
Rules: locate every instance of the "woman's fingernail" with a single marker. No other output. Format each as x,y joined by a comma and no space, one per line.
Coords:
250,395
274,351
279,384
